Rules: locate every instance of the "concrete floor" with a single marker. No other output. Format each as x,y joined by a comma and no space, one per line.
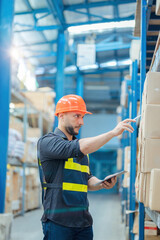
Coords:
105,210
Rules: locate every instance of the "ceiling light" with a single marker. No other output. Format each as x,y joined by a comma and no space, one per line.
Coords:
100,27
88,67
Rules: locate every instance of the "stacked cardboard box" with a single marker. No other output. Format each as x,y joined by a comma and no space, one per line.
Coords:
150,228
149,137
124,91
119,159
16,124
43,100
13,202
13,190
32,200
127,157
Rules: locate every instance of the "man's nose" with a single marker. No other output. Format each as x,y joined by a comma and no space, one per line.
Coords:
81,121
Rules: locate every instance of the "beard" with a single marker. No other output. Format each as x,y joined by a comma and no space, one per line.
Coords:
70,130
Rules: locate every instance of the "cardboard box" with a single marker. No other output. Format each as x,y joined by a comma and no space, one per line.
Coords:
150,155
152,237
141,188
119,159
126,180
151,92
147,189
154,201
127,154
157,11
151,118
16,124
33,132
137,185
150,228
144,188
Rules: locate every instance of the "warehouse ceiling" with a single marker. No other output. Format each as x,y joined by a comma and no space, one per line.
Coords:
107,24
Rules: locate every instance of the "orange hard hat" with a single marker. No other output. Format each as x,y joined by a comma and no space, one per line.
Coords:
71,103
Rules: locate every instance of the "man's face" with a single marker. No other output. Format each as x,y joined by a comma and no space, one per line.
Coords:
73,122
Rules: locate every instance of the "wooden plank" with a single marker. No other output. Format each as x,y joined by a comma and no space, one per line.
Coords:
154,22
151,42
153,8
152,33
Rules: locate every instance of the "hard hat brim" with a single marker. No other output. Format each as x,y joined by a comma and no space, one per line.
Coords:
86,112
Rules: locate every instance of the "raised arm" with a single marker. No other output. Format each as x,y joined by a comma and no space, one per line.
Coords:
92,144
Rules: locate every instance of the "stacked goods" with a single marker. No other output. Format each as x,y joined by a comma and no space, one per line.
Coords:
32,200
30,153
119,159
149,138
124,92
150,228
127,157
43,100
13,190
33,132
16,124
154,200
15,144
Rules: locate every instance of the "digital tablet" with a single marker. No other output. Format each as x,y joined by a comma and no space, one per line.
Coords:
108,178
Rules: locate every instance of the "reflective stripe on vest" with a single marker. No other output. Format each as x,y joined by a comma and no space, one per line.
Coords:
76,166
74,187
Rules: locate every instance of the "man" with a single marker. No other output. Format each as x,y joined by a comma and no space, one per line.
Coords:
65,165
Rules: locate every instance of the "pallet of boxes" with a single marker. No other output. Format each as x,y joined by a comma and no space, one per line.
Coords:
148,174
22,153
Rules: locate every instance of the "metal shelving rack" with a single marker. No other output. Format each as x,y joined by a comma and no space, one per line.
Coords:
128,194
150,27
42,122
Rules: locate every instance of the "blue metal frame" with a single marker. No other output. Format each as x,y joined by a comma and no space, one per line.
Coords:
60,70
6,20
132,202
142,79
96,4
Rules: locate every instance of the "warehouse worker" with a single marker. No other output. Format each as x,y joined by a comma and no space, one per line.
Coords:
65,165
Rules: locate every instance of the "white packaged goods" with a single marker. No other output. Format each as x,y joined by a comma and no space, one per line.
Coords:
15,144
154,200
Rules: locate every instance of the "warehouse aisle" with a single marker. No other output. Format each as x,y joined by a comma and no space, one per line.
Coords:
106,213
105,210
28,227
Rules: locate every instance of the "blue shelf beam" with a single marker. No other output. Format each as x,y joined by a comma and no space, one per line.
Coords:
96,4
59,86
142,80
6,20
132,202
56,8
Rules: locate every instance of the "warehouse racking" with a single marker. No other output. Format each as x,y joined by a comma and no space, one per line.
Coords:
29,114
147,27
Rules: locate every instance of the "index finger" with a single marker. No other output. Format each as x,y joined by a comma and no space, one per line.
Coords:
129,120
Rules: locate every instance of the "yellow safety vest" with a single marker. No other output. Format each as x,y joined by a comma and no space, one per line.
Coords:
75,181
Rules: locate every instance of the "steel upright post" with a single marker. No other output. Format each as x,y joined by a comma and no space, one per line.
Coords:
60,69
133,148
142,79
6,20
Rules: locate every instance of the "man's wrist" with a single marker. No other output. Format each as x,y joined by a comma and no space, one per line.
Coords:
113,134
